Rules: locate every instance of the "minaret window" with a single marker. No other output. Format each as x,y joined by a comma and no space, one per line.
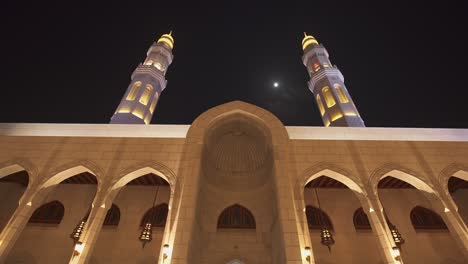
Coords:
134,91
316,67
341,94
150,62
158,66
153,103
144,99
329,100
320,105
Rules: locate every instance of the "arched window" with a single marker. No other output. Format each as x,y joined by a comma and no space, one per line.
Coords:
134,91
320,105
423,218
361,222
153,103
316,67
341,95
49,213
156,216
150,62
317,218
144,99
112,216
236,216
329,100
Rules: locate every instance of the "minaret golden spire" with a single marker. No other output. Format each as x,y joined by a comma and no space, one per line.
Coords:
307,40
167,39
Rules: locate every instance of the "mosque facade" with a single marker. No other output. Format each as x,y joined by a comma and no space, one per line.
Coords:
236,186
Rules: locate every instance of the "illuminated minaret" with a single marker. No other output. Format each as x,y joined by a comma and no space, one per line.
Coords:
327,84
140,100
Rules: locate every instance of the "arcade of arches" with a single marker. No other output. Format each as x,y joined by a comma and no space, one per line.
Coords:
236,186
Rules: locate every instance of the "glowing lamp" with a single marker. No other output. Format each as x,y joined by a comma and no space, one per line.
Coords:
146,234
308,253
396,254
327,238
397,238
78,248
165,251
76,234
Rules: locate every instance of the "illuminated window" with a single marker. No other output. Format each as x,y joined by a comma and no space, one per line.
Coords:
320,105
316,67
156,216
158,66
341,94
236,216
361,222
316,218
329,100
423,218
149,62
144,99
134,91
49,213
153,103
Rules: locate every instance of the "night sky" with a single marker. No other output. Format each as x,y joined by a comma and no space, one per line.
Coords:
404,63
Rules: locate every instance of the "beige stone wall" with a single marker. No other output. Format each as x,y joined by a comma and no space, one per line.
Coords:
421,246
359,246
10,193
52,244
116,157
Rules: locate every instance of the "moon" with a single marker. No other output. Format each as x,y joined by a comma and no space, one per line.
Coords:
275,84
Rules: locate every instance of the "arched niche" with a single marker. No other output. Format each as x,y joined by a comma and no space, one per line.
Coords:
236,216
14,181
399,193
237,165
330,189
75,187
143,193
457,186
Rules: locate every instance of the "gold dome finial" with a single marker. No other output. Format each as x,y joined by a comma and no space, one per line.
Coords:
308,40
167,39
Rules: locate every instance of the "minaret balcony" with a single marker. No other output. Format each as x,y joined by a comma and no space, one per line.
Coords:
151,71
322,73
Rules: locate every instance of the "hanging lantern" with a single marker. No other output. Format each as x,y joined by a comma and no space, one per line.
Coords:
146,234
76,234
327,238
396,235
325,234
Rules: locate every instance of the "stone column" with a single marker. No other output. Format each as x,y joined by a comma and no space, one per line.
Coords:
374,210
18,221
167,228
293,251
93,227
446,208
302,224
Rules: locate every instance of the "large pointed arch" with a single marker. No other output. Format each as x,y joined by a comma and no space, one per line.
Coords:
402,174
142,169
68,173
456,170
17,165
272,124
331,171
